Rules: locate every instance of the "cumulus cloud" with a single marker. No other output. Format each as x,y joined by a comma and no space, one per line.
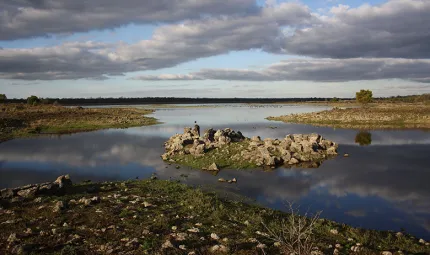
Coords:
25,18
323,70
397,28
170,45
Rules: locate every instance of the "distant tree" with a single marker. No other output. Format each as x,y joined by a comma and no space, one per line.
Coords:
335,99
364,96
2,98
33,100
363,138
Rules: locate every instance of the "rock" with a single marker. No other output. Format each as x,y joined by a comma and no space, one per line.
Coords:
182,247
386,253
214,236
292,150
12,238
219,249
261,246
213,167
221,180
334,231
422,241
147,204
167,244
30,192
346,155
64,181
256,139
59,205
193,230
6,193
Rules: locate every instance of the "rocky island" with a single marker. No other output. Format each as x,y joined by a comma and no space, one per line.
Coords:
228,148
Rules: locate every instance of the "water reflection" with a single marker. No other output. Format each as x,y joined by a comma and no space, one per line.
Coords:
383,185
363,138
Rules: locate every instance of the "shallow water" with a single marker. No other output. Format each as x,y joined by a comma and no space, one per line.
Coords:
383,185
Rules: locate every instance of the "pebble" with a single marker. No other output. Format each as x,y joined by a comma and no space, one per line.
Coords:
167,244
422,241
194,230
182,247
219,248
334,231
214,236
261,246
386,253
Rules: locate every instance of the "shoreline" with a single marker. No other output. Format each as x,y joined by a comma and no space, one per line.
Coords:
166,217
21,120
377,116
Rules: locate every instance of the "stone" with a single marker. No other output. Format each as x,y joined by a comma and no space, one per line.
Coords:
386,253
334,231
6,193
219,249
221,180
256,139
64,181
214,236
213,167
182,247
167,244
193,230
422,241
30,192
12,238
59,205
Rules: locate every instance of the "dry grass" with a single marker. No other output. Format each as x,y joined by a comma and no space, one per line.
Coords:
375,116
21,120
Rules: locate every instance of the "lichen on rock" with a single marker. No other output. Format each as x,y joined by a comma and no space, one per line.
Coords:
228,148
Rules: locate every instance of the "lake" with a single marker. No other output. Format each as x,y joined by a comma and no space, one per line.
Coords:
384,183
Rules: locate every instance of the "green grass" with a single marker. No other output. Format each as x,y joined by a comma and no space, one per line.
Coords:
174,204
224,157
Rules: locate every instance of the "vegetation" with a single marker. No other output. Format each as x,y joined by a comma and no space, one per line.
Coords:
224,157
21,120
33,100
364,96
376,116
363,138
166,217
2,98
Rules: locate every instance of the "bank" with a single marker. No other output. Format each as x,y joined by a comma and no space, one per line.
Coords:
166,217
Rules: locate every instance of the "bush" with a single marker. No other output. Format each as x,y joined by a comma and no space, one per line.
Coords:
363,138
2,98
364,96
33,100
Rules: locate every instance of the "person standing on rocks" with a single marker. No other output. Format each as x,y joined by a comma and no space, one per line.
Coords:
197,128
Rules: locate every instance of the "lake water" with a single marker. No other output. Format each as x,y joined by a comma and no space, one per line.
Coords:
382,185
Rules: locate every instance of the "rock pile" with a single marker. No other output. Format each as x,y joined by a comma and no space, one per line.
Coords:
57,187
292,150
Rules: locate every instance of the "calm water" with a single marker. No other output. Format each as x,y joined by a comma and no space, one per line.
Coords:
384,185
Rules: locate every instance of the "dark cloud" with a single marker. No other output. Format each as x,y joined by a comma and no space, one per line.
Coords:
323,70
29,18
397,28
170,45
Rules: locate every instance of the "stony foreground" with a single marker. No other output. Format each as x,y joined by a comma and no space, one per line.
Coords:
228,148
162,217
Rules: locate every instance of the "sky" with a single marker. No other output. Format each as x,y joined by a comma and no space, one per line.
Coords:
212,48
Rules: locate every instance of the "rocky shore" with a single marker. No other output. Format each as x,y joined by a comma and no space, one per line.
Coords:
375,116
166,217
228,148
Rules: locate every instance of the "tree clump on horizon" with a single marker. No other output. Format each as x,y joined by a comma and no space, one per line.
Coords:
364,96
33,100
3,98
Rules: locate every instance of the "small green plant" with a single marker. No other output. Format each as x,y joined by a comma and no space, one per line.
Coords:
363,138
2,98
364,96
334,99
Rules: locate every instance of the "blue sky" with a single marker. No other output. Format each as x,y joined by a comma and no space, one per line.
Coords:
273,49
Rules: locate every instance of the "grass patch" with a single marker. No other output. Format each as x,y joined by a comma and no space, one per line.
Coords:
21,120
227,156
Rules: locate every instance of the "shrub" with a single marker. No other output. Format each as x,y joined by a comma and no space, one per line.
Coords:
33,100
364,96
363,138
2,98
